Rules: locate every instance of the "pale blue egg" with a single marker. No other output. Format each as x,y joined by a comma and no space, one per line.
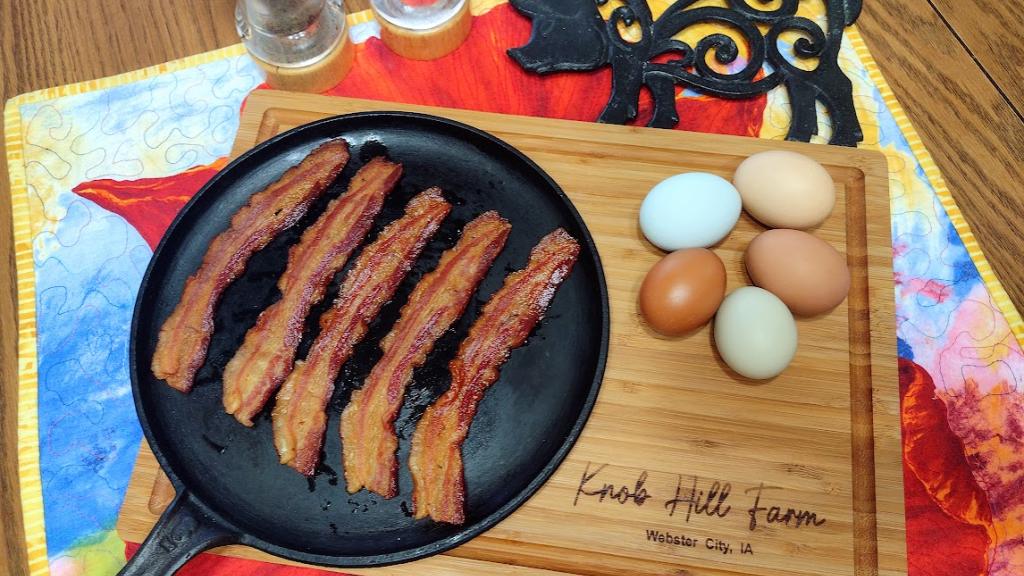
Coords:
693,210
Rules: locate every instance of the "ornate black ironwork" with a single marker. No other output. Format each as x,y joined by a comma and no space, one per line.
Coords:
572,35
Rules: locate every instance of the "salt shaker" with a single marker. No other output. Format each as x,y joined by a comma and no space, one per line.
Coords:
301,44
423,29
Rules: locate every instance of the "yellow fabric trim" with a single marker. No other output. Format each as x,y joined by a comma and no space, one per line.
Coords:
28,416
931,170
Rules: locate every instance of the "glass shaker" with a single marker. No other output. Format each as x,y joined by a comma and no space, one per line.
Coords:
301,44
423,29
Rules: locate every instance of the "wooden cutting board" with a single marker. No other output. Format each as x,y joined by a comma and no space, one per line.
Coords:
685,468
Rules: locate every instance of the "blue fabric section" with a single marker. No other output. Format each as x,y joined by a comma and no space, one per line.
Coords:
89,264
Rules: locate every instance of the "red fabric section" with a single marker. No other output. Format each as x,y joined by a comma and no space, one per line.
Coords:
948,515
149,204
478,76
938,545
498,84
214,565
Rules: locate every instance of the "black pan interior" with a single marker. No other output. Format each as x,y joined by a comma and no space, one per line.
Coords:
525,425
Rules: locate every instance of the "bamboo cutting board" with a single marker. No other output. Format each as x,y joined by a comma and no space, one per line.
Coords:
684,468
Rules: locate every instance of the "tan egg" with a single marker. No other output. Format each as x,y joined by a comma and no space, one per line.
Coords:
804,271
682,291
783,189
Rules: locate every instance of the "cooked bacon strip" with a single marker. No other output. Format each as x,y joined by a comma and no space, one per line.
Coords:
268,352
185,335
299,414
367,424
436,459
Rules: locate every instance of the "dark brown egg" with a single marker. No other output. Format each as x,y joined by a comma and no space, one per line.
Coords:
682,291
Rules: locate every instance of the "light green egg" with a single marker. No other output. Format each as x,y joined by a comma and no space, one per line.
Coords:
755,333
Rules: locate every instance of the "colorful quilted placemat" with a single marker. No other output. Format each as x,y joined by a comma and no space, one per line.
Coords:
99,169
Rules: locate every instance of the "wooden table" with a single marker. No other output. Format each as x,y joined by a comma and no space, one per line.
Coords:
954,65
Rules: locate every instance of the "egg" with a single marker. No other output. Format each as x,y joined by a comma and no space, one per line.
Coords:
682,291
804,271
693,210
784,189
754,333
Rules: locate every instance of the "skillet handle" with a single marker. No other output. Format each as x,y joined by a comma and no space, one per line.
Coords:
182,532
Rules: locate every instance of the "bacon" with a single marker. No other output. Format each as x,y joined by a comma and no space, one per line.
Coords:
508,318
300,417
268,352
367,423
185,335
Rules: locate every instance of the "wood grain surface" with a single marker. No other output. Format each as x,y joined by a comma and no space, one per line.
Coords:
983,27
840,458
952,64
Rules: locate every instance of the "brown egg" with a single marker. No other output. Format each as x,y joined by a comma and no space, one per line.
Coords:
804,271
682,291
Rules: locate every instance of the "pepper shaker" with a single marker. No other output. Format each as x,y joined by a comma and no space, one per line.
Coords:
301,44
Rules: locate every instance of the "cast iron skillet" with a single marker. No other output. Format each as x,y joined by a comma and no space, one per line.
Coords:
230,486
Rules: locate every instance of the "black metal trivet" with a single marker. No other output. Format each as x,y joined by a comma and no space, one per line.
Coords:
571,35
